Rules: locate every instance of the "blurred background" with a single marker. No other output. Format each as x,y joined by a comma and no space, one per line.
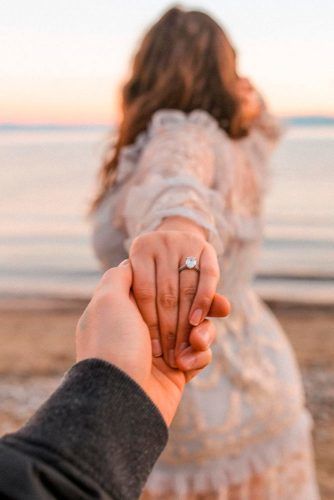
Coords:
62,64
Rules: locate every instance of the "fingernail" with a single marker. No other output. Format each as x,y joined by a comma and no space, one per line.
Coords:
171,358
189,360
156,348
196,317
124,263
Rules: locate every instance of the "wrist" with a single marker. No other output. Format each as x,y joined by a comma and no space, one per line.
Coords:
165,394
183,224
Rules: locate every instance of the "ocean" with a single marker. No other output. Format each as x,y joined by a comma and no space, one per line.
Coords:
47,177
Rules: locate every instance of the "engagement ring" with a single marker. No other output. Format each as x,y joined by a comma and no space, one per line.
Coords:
190,263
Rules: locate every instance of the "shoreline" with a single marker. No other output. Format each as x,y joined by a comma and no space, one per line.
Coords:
57,303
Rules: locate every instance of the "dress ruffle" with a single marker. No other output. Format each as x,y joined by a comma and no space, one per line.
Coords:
216,478
163,119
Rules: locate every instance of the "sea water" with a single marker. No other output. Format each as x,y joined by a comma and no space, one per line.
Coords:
47,177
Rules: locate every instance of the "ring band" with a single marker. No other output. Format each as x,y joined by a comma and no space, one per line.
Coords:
190,263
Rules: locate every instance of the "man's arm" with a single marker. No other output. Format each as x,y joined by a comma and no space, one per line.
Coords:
100,433
98,436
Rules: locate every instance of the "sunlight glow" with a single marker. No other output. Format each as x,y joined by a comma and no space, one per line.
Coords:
64,64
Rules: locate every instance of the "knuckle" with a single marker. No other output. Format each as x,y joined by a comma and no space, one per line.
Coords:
166,236
189,290
206,294
169,240
171,335
210,248
174,239
205,299
107,275
135,244
140,243
144,294
195,239
168,300
171,338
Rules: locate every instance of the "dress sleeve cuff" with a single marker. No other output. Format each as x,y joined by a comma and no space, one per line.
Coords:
162,197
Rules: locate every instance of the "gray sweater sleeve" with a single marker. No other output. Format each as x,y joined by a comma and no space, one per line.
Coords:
97,436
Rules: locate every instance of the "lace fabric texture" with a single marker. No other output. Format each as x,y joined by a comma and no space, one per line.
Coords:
241,430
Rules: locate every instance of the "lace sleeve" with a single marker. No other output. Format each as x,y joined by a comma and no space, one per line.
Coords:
174,174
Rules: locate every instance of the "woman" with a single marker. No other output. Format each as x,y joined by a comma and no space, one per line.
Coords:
186,178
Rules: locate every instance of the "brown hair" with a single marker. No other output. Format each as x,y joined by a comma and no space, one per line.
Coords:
185,61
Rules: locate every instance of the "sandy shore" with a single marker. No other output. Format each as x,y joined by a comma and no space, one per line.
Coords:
37,346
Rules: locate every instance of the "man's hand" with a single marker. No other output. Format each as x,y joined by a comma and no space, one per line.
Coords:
112,328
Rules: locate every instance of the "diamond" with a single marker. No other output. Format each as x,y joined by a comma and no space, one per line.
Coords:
191,262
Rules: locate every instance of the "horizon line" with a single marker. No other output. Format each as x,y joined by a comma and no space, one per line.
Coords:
298,119
321,118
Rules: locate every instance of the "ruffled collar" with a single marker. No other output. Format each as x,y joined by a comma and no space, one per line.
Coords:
162,119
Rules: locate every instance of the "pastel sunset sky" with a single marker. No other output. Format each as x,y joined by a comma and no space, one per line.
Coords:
63,61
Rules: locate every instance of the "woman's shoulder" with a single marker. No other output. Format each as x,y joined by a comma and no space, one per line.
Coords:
195,123
169,117
193,128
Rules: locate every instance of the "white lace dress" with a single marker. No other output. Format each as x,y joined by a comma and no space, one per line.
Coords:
242,430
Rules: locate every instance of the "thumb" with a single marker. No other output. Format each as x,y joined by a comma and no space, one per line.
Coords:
220,307
118,278
126,275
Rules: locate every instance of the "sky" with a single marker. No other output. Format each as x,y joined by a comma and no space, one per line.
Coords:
64,61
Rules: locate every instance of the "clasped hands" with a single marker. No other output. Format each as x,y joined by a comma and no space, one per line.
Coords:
145,307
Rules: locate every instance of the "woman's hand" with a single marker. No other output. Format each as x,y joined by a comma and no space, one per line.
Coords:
251,105
171,302
112,328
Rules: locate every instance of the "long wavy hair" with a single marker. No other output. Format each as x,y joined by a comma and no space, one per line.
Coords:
185,61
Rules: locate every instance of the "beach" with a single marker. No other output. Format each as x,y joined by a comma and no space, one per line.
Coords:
38,347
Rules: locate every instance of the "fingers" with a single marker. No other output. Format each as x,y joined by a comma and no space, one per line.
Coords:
202,336
167,305
188,281
198,355
118,279
144,289
193,360
208,280
220,307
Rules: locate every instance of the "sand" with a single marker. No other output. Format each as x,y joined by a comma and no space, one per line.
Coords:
37,347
